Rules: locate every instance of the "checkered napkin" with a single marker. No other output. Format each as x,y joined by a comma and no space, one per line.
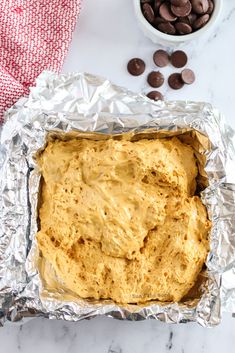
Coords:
34,36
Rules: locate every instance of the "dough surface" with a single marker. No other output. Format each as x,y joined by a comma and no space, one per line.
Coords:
120,219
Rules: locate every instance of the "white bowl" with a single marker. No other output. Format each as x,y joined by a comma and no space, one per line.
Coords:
169,40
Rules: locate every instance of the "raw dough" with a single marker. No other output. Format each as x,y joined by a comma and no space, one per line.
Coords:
119,219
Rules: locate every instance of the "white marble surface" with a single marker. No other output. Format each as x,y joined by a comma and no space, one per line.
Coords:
104,335
107,36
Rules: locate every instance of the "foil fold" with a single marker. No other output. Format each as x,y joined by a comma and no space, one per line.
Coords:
87,103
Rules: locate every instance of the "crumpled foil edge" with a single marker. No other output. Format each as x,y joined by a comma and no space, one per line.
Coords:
89,103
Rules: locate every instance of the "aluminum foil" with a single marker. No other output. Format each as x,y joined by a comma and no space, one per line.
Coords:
86,103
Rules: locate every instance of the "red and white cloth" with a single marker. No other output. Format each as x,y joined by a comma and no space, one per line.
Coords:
34,36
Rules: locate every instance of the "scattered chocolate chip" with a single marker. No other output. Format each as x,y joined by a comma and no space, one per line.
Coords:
200,6
179,58
166,14
155,95
175,81
188,76
136,66
183,28
161,58
167,28
155,79
201,21
182,11
210,8
148,12
178,2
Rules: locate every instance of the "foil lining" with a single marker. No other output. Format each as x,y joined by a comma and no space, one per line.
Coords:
86,103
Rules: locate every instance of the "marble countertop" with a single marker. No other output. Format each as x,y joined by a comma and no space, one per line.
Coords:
106,37
104,335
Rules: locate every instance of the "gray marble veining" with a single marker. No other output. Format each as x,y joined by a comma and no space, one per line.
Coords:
104,335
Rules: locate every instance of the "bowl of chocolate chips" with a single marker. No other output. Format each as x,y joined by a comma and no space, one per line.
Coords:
172,22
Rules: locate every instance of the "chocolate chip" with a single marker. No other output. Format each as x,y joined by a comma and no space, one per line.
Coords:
200,6
157,4
184,20
136,66
192,17
166,14
177,16
175,81
188,76
155,95
201,21
148,12
183,28
155,79
182,11
178,2
167,28
157,21
179,58
210,8
161,58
